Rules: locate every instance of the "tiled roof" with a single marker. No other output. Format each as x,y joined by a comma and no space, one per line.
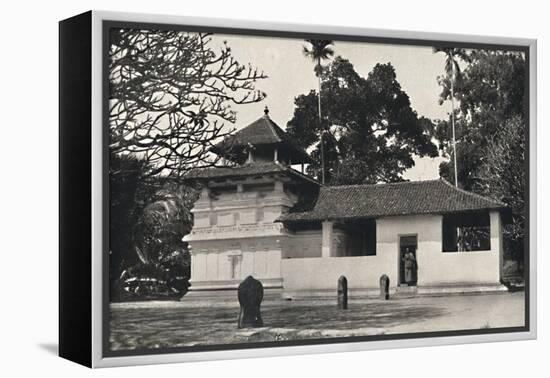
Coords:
380,200
250,169
263,131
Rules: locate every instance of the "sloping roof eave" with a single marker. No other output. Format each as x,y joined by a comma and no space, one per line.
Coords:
320,218
263,131
253,169
389,200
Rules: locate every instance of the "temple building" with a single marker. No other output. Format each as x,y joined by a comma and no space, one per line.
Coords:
259,216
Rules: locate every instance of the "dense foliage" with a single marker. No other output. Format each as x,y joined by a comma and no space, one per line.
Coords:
148,218
490,132
374,132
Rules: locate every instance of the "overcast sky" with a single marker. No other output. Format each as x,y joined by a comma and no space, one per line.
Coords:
291,74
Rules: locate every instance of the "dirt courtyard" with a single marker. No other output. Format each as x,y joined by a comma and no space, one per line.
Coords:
151,325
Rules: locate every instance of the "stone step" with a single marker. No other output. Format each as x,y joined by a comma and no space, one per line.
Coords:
406,291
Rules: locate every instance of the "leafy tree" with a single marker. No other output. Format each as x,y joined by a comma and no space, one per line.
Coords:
490,139
319,51
375,132
148,218
170,95
490,92
164,221
502,176
128,192
158,236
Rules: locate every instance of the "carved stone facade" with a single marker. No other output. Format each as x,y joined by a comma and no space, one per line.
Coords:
235,234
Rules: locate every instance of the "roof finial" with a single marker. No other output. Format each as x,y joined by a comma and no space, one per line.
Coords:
266,111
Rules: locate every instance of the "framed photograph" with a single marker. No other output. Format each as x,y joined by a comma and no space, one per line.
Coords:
232,189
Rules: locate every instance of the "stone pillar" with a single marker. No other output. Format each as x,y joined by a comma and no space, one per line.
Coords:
384,287
250,294
343,293
328,236
496,238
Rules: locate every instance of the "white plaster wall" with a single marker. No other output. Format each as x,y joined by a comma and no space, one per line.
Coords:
303,244
307,244
426,227
271,213
452,268
247,216
212,266
273,264
198,267
434,266
211,261
201,220
247,263
260,264
226,219
323,273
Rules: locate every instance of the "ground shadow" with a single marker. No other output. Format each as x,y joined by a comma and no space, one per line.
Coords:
180,325
156,327
371,315
51,348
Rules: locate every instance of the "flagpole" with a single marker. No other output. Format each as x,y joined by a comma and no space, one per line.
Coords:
453,122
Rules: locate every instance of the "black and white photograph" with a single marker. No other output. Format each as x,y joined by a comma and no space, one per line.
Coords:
270,189
324,189
275,189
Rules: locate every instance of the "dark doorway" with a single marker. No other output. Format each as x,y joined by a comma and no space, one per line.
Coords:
408,267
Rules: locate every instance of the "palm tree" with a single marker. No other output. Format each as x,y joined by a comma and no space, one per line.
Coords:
452,69
318,51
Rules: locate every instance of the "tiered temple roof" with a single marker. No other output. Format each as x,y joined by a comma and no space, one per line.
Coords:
262,135
260,149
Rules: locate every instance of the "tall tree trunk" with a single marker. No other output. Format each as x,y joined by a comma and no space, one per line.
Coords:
458,231
321,123
453,121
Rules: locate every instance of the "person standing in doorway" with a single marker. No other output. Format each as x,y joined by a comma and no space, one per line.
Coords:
410,267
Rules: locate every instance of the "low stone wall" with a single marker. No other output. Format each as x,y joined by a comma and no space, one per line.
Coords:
452,268
321,274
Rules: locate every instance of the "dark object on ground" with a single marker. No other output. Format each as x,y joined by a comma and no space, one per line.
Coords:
144,282
250,295
384,287
514,286
512,276
342,293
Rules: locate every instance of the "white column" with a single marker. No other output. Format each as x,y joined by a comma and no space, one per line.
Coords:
328,234
496,238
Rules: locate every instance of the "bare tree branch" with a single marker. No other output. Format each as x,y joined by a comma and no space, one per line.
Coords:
171,95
